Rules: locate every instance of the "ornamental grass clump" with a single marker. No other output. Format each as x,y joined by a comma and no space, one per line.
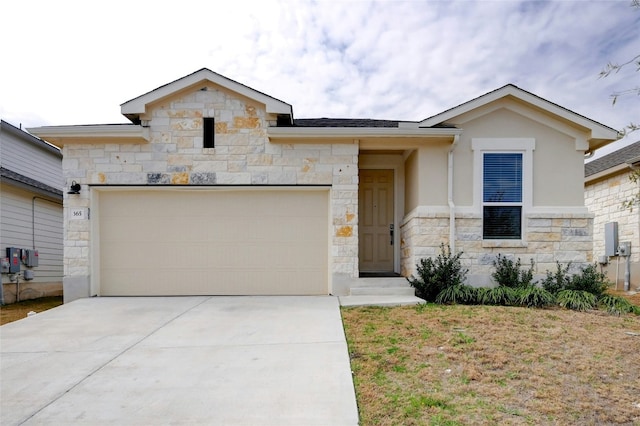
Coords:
578,300
500,296
617,305
462,294
533,296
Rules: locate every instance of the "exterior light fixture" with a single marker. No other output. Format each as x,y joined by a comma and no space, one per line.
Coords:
75,188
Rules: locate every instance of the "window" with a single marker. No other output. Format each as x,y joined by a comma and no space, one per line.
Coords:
503,188
502,196
208,138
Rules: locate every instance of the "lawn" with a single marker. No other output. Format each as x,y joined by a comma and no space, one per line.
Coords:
462,365
16,311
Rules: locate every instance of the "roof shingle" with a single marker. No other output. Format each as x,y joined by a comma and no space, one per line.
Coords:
616,158
343,122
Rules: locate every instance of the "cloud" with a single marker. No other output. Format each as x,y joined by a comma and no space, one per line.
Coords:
75,63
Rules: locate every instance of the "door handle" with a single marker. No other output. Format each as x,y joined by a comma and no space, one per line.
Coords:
391,233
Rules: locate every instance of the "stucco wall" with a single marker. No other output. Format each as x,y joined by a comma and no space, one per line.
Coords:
556,227
557,166
243,155
412,179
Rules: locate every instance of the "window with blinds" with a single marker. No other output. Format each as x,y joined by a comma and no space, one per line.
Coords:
502,196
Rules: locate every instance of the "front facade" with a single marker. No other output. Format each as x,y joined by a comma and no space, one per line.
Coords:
30,215
215,188
607,186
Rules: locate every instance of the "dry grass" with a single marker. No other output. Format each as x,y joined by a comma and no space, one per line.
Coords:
16,311
462,365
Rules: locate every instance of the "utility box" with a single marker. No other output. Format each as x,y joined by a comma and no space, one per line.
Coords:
28,274
31,258
14,259
611,239
625,248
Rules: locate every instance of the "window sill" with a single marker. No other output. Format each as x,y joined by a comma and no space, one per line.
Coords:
504,243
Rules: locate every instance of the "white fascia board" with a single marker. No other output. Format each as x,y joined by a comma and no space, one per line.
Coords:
466,107
138,105
58,135
598,131
355,132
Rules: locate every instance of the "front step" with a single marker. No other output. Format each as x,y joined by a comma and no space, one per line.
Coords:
394,286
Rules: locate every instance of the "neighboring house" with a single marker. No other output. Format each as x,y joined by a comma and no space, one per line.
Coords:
30,214
607,186
215,188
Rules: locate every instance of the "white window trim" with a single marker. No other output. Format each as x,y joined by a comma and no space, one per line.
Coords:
525,146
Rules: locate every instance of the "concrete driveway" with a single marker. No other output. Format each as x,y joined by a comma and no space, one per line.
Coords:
179,360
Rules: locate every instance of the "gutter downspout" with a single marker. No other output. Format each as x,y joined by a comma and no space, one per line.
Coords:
452,206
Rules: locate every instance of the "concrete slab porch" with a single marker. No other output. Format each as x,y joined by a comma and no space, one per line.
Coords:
179,360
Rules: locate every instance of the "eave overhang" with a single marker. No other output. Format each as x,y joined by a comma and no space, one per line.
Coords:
93,134
367,138
8,177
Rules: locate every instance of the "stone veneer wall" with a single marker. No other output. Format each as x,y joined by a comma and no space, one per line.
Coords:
604,199
550,238
242,155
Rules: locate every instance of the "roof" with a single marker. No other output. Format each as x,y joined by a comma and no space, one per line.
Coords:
132,109
600,134
93,133
343,122
28,137
27,181
627,155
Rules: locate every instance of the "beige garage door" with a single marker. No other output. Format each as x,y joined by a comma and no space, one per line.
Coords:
213,242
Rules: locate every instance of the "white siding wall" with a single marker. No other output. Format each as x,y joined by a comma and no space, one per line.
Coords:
27,222
16,230
29,159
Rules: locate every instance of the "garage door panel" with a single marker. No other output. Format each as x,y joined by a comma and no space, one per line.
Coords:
213,242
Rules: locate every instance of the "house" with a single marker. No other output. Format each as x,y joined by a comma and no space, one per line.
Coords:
607,186
215,188
30,215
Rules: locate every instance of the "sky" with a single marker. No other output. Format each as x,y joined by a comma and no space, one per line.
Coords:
74,62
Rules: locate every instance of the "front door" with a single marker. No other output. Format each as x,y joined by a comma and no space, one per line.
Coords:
375,223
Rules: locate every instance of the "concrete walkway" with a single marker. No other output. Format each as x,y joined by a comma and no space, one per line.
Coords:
179,360
380,300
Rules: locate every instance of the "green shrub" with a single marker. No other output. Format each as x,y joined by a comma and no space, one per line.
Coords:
534,297
457,294
558,281
578,300
589,280
616,305
510,274
500,295
435,275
